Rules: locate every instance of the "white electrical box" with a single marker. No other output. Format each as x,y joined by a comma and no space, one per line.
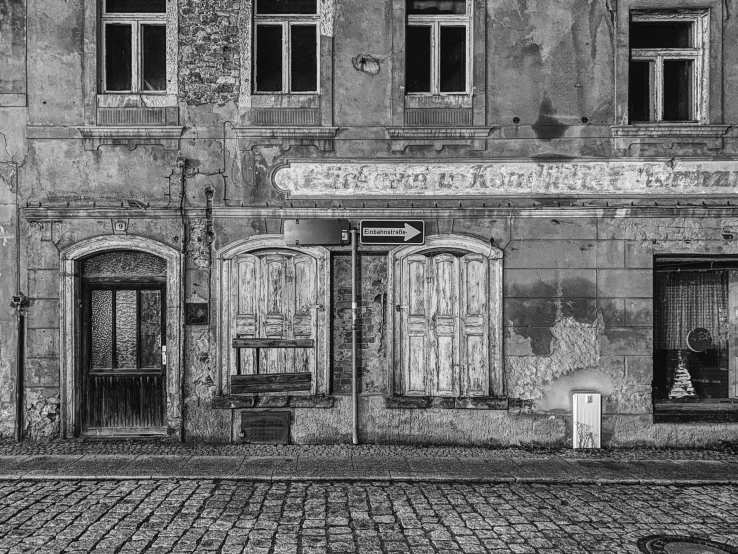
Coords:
587,419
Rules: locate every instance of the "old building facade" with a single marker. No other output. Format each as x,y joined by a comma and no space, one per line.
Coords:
574,164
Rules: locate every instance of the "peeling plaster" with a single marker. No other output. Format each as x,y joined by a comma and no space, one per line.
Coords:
574,346
42,415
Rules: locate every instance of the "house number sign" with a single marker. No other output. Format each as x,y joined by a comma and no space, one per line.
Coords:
433,180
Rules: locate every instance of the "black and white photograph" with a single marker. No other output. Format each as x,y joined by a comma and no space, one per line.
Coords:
369,276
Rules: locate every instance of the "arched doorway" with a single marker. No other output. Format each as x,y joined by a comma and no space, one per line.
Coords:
123,343
121,299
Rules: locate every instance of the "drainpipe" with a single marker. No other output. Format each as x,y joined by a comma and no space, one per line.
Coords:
354,327
19,301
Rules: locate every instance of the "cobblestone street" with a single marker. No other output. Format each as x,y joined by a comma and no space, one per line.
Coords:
301,517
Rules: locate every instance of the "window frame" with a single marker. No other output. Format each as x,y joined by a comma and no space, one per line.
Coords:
112,284
453,244
698,54
137,21
286,22
436,22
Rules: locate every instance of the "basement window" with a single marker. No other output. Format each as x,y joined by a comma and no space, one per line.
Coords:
695,327
668,66
437,47
286,46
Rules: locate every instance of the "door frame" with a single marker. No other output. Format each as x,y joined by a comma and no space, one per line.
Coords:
71,326
451,243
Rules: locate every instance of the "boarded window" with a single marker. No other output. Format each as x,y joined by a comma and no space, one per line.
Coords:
275,295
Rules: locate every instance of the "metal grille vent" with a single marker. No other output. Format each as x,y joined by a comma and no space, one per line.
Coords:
265,427
439,117
281,116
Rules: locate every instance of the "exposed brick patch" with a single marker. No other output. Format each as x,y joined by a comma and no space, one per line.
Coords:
371,336
209,51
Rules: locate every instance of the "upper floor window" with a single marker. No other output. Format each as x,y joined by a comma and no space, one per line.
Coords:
668,66
437,44
134,40
286,46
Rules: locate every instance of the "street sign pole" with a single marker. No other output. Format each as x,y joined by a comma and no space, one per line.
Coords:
354,328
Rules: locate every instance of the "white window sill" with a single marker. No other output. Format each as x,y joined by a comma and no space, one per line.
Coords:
669,130
450,101
136,100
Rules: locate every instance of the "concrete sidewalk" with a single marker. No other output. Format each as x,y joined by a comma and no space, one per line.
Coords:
368,463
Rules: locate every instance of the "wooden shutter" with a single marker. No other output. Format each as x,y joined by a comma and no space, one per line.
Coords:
414,328
245,306
443,356
305,303
474,319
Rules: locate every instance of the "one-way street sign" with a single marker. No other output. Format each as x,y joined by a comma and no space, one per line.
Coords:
392,232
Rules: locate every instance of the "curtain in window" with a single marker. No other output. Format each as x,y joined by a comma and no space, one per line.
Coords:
687,300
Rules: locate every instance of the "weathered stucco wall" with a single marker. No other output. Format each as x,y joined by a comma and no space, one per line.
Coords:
13,47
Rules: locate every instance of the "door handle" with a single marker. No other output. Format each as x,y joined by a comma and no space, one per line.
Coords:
399,308
164,354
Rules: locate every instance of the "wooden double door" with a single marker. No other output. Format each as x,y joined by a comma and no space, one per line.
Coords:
123,357
444,325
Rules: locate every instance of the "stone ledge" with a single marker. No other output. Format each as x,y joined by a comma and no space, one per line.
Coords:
428,402
696,411
233,401
166,135
402,137
286,137
667,135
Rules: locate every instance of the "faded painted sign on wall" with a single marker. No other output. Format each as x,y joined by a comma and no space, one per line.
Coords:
301,179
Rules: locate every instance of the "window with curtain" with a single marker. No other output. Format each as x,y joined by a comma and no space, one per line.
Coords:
691,307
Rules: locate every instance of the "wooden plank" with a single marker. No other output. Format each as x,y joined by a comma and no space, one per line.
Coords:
275,382
273,343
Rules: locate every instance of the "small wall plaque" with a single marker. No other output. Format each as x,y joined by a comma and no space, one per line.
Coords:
196,313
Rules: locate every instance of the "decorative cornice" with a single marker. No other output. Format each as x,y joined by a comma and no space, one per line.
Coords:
402,137
395,133
423,212
666,135
286,137
166,136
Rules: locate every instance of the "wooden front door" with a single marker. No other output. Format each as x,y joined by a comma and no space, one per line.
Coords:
275,295
123,357
444,331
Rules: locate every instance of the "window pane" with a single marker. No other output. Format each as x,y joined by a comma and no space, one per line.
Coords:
154,57
286,7
126,329
268,68
150,328
453,59
101,329
304,70
135,6
661,34
418,59
117,57
436,6
678,90
639,91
